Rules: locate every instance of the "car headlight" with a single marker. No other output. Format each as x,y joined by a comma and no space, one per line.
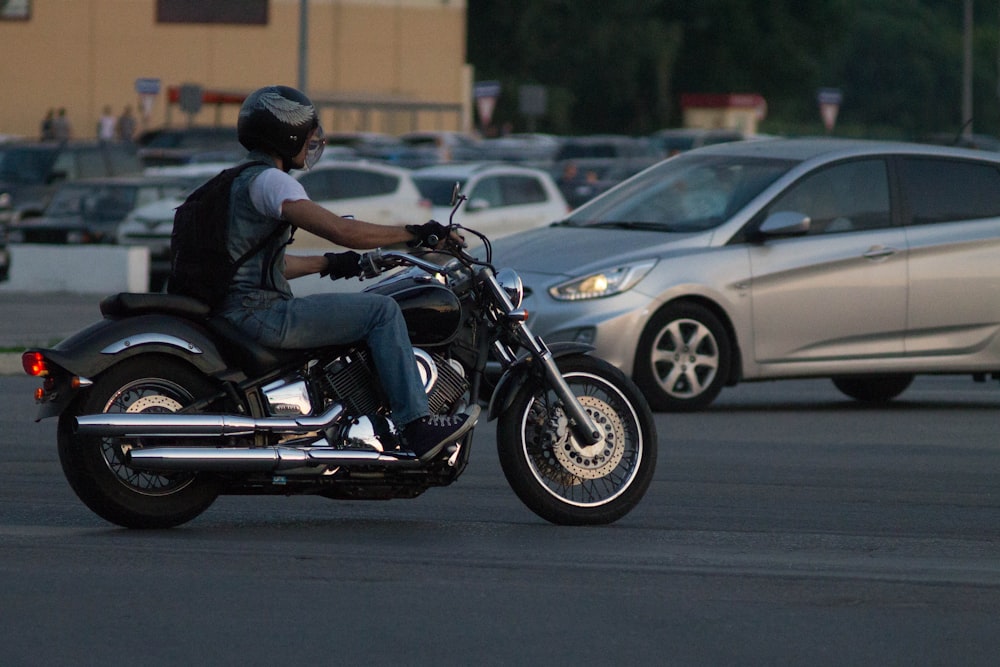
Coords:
608,282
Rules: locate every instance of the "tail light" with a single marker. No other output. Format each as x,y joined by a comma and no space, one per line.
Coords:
35,364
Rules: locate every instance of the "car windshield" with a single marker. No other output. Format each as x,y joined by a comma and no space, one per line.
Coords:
25,165
437,190
688,193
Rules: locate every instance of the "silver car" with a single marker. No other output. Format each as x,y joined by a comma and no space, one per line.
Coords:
865,262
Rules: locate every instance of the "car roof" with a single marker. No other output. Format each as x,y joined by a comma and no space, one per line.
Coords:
128,179
380,167
808,148
468,169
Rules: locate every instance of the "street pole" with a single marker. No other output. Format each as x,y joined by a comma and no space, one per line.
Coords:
304,46
967,72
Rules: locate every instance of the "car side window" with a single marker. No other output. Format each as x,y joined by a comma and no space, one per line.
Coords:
521,190
846,197
488,190
940,190
329,184
91,163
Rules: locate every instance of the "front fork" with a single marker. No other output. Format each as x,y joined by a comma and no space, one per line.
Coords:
583,427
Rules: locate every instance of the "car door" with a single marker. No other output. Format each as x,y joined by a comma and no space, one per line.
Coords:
838,292
952,215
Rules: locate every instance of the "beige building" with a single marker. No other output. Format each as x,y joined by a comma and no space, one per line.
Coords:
379,65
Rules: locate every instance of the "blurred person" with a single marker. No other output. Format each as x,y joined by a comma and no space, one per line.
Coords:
125,127
106,126
48,128
62,130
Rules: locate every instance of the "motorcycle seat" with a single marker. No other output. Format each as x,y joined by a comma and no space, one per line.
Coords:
248,354
130,304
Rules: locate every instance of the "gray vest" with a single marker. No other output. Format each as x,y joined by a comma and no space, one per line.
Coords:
262,274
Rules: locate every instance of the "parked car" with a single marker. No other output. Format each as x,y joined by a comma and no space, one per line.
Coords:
582,179
368,191
31,171
864,262
420,149
679,139
605,146
4,255
183,145
90,210
151,225
503,198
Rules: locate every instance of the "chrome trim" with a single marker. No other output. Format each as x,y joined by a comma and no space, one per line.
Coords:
172,424
261,459
149,339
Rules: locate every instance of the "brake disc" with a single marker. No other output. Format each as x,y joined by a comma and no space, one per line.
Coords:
593,462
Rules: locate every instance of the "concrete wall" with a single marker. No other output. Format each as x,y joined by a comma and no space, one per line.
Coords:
96,269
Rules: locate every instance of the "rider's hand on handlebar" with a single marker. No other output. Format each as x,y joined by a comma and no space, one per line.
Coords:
433,234
342,265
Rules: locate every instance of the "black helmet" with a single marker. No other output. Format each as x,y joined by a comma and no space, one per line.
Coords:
276,119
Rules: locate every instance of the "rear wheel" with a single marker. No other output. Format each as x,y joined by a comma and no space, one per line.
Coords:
873,388
96,466
553,474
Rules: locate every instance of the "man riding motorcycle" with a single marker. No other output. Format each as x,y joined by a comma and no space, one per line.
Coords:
280,127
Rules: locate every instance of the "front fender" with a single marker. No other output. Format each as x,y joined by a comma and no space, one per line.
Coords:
517,374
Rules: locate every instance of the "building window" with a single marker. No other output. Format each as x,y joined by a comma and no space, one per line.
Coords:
15,10
217,11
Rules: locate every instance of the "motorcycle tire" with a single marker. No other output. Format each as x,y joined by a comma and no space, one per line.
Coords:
95,466
548,470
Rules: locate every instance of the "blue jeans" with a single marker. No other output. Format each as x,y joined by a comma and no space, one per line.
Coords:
337,319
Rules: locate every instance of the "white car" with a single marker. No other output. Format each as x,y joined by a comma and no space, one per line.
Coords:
367,191
502,199
151,225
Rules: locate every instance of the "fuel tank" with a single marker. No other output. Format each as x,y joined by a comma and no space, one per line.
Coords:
432,312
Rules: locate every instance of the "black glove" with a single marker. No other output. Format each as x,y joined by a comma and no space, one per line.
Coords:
428,235
342,265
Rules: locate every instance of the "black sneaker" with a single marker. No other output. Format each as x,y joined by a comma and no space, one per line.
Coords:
426,437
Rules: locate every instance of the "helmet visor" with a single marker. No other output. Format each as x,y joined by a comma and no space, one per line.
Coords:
315,146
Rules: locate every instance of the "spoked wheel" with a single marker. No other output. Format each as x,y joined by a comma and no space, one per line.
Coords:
96,467
556,476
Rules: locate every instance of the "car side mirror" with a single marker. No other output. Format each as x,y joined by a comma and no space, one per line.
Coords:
785,223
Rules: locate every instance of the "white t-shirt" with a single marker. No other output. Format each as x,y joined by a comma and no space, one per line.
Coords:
271,188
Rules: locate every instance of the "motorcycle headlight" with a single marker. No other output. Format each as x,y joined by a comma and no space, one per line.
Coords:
608,282
512,285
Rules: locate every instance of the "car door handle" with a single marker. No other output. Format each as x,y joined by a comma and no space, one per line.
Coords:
879,252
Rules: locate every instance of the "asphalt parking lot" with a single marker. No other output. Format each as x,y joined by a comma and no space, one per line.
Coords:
41,318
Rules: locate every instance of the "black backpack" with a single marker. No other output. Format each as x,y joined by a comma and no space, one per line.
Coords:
200,264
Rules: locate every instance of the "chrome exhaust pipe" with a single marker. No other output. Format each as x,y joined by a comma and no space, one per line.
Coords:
172,424
259,459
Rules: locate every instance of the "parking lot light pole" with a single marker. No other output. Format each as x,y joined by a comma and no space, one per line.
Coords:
303,46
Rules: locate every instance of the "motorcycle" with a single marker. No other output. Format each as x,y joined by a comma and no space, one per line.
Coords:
162,407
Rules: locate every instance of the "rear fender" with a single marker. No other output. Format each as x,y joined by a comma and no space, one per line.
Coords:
93,350
518,373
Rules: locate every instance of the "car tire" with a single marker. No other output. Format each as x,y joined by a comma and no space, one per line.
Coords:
683,358
873,388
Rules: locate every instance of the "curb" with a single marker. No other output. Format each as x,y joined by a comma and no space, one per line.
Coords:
10,364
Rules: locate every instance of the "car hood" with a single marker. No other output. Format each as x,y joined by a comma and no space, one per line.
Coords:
573,251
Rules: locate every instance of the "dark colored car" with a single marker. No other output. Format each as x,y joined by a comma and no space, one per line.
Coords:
31,171
90,210
174,146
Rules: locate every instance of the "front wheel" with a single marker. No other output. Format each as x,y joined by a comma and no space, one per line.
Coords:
557,478
873,388
97,468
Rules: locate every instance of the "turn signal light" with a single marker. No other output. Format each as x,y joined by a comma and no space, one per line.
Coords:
34,364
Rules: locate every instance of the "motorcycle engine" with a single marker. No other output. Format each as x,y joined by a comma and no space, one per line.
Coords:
351,380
